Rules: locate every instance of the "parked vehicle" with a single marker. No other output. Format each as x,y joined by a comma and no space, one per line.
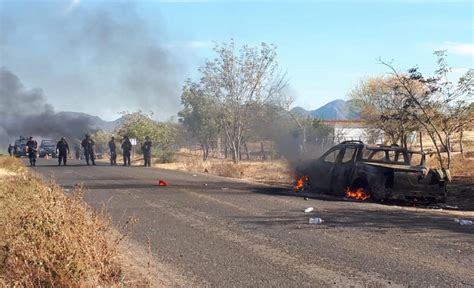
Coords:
20,147
47,147
382,172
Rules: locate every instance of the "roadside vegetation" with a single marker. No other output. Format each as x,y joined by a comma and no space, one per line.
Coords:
48,239
236,119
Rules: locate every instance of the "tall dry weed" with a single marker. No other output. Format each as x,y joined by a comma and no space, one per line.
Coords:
48,239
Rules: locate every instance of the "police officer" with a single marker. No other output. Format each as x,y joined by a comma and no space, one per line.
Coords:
10,150
126,148
146,150
88,146
62,149
113,151
31,148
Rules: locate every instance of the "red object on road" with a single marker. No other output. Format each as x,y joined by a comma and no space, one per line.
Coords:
162,183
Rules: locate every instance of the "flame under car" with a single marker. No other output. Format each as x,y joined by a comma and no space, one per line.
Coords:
354,169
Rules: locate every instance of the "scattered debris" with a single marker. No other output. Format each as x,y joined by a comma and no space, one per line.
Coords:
315,221
306,198
66,190
463,221
206,171
194,175
162,183
224,188
309,209
450,206
205,184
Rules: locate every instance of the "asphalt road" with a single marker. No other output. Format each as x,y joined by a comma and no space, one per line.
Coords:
203,230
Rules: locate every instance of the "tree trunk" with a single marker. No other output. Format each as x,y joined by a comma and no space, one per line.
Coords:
205,151
461,147
448,149
262,150
226,148
438,152
421,141
218,148
247,154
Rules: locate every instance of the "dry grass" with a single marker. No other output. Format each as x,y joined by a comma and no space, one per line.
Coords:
459,166
48,239
276,172
11,164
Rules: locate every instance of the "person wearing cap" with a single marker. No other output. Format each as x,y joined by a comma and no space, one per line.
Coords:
113,151
62,149
31,148
146,150
88,146
126,149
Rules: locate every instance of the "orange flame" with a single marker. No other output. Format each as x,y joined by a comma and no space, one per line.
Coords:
358,194
299,185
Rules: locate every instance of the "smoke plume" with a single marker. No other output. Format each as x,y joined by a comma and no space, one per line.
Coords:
25,112
104,52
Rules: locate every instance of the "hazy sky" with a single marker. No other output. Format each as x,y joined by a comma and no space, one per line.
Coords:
102,57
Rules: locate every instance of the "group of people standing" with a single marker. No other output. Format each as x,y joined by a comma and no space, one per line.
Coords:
127,150
88,145
62,149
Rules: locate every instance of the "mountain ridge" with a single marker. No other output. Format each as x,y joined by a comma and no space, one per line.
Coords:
335,110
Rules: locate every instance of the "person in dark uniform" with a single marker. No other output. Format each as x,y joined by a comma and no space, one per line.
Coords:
31,148
88,146
146,150
10,150
15,149
126,148
113,151
62,148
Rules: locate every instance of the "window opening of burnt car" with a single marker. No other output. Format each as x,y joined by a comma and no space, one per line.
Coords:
396,156
348,154
332,156
374,154
385,155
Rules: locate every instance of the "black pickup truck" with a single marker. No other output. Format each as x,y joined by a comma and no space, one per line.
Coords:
383,172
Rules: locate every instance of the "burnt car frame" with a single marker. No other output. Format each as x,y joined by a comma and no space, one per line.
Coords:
384,172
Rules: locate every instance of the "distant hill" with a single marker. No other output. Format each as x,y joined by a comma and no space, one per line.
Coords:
96,122
334,110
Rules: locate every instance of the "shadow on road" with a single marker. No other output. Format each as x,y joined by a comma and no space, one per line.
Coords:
368,219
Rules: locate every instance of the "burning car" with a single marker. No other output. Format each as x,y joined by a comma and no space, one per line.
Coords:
357,170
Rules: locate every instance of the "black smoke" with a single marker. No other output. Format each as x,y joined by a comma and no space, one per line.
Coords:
105,52
25,112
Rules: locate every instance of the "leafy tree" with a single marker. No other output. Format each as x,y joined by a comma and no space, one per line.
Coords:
435,103
383,108
240,84
200,116
139,125
101,139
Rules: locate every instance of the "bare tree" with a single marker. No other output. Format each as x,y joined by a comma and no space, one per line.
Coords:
435,103
384,108
242,83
